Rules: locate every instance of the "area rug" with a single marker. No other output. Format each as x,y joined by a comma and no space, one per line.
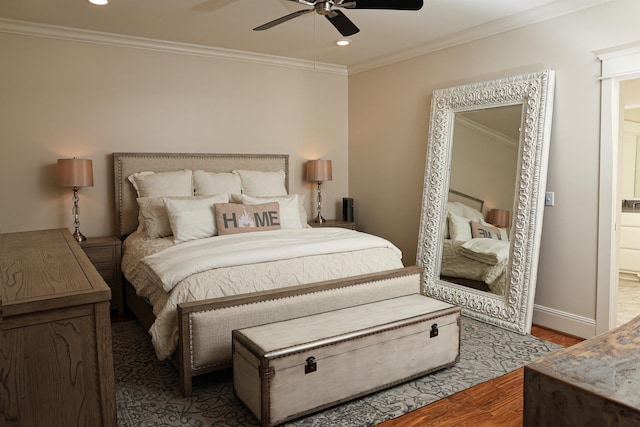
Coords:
147,390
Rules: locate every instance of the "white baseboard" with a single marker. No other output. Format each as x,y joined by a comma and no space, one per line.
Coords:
561,321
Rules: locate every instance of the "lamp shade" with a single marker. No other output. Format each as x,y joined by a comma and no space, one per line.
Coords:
319,170
74,173
499,217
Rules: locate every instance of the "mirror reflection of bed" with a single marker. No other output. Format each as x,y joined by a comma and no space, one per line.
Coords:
475,251
484,167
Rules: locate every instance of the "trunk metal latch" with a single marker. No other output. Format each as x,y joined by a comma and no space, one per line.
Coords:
434,331
311,365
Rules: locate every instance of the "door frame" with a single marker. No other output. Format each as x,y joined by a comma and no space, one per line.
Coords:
618,64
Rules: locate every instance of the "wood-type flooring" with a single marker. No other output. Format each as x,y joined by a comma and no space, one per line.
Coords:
498,402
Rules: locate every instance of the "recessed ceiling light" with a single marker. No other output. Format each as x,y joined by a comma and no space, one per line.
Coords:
343,42
99,2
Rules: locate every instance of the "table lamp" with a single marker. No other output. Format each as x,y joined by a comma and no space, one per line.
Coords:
499,217
319,171
75,173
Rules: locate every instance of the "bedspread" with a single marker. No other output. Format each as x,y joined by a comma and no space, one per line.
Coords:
168,267
455,264
223,281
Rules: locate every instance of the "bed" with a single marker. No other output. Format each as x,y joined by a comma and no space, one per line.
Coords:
188,290
475,254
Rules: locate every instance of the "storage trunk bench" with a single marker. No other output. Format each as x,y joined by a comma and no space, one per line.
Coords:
287,369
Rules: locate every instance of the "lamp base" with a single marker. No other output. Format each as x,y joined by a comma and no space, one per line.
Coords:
319,219
78,236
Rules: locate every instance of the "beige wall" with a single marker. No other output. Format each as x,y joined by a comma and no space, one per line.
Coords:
64,98
389,120
483,166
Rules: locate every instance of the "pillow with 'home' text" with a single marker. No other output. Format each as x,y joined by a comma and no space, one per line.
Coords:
486,231
232,218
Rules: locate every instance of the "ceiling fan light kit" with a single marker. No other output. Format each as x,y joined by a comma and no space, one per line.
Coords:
338,19
99,2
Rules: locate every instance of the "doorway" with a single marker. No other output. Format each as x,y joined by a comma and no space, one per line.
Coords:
618,65
628,242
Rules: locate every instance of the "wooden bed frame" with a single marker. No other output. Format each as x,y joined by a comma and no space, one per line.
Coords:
267,306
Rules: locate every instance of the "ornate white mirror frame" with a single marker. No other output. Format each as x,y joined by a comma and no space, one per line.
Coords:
534,91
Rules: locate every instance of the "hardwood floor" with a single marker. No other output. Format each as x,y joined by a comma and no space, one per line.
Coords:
493,403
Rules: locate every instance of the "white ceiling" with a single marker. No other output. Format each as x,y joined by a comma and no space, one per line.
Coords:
385,35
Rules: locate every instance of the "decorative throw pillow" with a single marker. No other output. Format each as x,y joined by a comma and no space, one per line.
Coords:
261,183
234,218
193,218
459,227
159,184
212,183
485,231
292,212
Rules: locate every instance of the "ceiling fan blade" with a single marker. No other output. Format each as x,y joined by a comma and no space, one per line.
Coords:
282,19
342,23
389,4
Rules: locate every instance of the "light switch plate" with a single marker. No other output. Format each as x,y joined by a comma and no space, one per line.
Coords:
549,198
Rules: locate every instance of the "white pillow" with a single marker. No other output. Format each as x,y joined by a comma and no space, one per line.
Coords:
455,207
469,212
292,213
153,217
260,183
212,183
459,227
193,218
159,184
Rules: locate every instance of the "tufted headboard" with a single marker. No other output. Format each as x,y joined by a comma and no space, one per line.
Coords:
456,196
125,164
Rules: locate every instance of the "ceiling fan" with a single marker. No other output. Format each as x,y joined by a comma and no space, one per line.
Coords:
339,19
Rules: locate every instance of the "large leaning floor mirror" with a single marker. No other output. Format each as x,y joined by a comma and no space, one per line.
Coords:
483,196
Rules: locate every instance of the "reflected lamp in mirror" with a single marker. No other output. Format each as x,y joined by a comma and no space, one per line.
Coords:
75,173
499,217
319,171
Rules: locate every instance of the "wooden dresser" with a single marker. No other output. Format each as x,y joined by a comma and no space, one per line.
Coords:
593,383
56,360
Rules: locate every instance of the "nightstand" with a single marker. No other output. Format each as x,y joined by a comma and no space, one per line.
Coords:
105,254
351,225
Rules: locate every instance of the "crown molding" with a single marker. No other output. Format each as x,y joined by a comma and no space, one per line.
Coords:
523,19
488,132
87,36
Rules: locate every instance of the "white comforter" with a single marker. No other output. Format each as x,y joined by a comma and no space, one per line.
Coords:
489,251
253,276
168,267
474,266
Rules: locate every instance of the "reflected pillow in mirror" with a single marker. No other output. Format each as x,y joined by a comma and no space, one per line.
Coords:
479,230
459,227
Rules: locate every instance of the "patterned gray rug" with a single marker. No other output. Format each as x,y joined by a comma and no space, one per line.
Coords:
147,392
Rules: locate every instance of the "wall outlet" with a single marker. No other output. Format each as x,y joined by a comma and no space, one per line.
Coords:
549,198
